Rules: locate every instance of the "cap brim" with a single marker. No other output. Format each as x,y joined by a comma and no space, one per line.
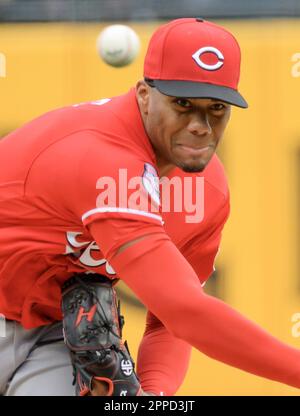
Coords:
190,89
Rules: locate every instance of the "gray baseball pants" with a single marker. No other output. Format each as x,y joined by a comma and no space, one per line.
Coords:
34,362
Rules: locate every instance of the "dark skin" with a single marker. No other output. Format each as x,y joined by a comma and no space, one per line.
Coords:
184,132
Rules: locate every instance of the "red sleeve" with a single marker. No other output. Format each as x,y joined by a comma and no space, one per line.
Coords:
92,176
162,359
114,182
167,285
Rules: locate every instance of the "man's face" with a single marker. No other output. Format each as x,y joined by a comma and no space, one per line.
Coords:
183,131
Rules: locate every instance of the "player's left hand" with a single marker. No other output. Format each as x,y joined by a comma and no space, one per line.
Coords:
93,332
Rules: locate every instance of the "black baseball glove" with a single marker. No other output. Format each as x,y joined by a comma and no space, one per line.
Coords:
93,333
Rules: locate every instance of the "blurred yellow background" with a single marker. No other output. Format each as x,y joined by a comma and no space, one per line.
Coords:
53,65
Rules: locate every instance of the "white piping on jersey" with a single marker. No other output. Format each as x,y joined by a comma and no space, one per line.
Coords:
121,210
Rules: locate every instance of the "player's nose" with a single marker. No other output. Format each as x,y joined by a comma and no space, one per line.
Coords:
199,125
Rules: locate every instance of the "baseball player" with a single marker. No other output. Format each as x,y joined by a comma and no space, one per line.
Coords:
81,208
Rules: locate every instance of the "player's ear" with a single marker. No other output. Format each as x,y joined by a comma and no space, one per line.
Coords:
142,95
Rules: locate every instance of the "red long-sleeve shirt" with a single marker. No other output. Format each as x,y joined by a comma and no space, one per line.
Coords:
51,174
52,171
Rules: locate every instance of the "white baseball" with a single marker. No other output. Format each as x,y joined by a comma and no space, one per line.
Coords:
118,45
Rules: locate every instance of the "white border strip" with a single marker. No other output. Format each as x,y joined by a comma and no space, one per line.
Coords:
121,210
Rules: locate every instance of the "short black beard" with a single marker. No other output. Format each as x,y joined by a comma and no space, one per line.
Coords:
192,169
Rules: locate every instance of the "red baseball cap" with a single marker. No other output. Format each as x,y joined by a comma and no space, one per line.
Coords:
194,58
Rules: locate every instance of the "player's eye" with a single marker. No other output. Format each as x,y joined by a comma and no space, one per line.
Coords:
183,103
218,107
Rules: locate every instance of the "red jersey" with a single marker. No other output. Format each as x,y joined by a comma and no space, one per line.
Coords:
51,173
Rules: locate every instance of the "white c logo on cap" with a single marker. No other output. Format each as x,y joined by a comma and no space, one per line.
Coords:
197,57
